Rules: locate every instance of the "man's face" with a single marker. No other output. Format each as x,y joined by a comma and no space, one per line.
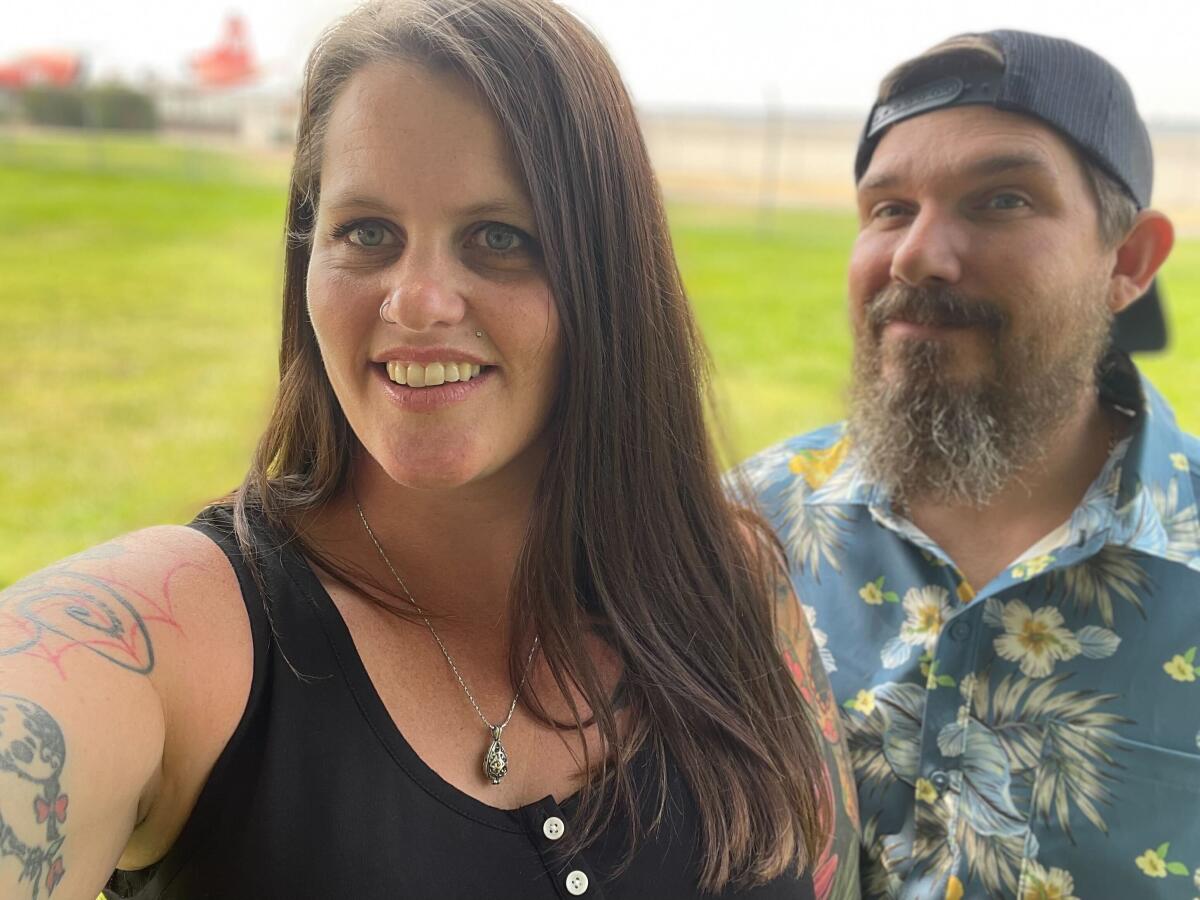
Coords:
979,297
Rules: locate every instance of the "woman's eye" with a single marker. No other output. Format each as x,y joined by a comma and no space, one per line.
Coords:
368,234
500,238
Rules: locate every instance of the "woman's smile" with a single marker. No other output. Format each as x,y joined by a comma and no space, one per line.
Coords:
435,390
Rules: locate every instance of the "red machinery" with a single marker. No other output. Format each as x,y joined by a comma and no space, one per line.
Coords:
231,62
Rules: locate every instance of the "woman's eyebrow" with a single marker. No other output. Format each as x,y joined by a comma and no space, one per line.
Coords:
496,207
492,207
359,201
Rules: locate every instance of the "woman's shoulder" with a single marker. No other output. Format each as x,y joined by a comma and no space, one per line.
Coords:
138,652
141,589
189,596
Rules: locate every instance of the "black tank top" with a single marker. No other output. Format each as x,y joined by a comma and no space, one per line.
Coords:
318,795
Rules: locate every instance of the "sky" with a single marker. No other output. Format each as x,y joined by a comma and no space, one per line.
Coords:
808,56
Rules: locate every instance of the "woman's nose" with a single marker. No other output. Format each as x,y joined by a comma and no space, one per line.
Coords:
423,292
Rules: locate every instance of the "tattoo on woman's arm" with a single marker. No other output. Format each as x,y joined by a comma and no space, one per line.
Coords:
65,608
33,807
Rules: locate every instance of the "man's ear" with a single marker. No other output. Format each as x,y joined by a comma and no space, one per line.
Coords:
1139,257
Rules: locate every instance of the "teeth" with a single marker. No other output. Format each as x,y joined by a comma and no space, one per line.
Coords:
419,376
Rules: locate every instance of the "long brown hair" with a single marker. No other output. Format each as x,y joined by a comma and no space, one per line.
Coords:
631,534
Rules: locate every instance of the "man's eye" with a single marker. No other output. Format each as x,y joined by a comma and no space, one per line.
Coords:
888,211
1007,201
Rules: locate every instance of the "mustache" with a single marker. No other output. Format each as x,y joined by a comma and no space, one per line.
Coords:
935,306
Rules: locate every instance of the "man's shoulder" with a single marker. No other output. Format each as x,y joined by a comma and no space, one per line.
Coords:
780,457
1184,463
1189,444
814,467
1190,448
1174,451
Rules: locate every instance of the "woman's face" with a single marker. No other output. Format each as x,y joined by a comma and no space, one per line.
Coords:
423,213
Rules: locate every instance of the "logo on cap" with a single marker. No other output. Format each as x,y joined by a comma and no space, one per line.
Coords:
926,97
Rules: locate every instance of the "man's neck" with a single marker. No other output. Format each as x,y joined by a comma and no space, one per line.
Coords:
983,541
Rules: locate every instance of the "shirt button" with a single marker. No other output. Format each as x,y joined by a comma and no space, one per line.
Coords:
553,828
940,780
577,883
960,630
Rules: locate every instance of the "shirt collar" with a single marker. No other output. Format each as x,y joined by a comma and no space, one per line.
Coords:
1155,508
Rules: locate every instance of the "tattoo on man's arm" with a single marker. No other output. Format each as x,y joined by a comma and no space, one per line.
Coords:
64,608
33,807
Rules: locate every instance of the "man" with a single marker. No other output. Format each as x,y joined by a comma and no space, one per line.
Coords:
1001,543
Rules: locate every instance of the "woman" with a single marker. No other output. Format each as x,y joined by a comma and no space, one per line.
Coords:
479,621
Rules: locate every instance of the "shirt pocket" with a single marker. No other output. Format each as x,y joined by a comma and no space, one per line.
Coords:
1146,798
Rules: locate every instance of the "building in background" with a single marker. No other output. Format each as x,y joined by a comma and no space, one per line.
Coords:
229,94
225,94
44,69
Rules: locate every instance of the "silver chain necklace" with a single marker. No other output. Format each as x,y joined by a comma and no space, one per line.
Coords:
495,760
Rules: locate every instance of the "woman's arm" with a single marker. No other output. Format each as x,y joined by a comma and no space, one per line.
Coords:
835,871
91,652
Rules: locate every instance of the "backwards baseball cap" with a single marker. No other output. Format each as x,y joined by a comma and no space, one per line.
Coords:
1068,87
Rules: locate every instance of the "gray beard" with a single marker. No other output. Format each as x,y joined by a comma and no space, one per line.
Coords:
924,436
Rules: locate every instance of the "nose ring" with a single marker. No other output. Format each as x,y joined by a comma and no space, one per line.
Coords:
382,311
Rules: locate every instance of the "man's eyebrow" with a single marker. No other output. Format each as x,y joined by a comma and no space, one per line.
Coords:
880,182
1006,162
982,168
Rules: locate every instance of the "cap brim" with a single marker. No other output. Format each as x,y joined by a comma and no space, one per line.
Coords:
1142,327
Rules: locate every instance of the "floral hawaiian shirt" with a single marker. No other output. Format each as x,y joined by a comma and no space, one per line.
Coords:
1039,737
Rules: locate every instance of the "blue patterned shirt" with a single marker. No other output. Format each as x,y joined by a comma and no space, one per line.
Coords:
1039,738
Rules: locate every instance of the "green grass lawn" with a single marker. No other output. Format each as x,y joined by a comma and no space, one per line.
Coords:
139,293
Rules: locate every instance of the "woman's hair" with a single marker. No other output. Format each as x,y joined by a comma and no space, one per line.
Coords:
631,535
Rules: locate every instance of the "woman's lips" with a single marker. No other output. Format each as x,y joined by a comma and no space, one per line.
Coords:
431,399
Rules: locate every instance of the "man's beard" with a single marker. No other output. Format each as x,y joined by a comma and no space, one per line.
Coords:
927,435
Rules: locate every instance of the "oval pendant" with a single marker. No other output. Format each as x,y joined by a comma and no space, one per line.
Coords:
495,762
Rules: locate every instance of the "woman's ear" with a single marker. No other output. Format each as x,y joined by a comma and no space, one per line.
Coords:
1139,257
